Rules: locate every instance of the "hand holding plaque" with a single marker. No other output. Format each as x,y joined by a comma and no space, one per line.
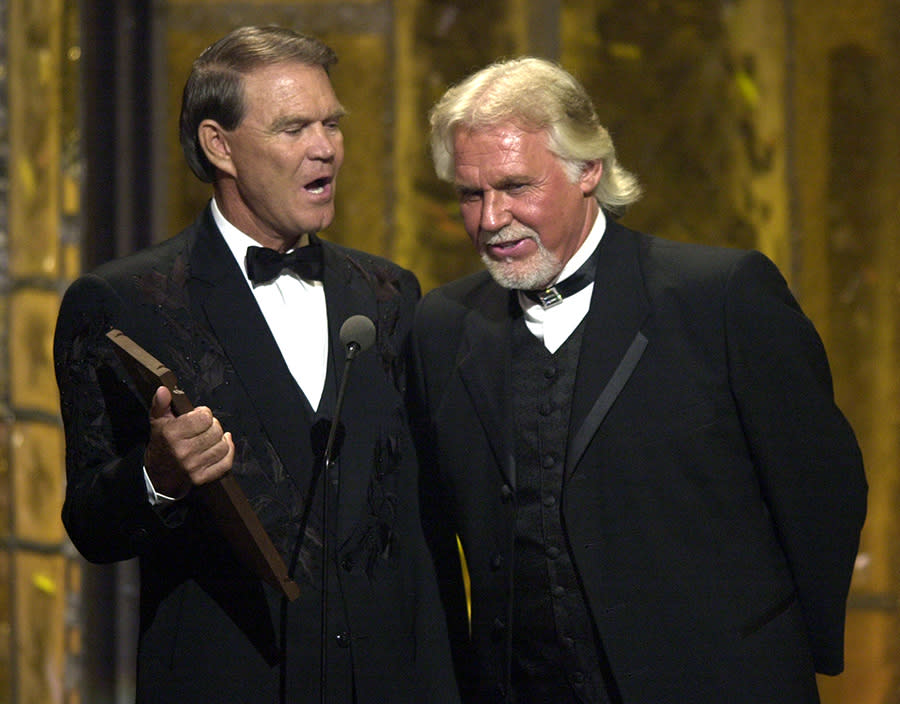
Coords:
224,497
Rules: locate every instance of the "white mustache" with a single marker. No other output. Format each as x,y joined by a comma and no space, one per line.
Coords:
510,233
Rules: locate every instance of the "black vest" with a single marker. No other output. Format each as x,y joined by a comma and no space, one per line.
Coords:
302,626
556,655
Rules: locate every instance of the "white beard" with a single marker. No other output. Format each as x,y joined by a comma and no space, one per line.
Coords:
535,272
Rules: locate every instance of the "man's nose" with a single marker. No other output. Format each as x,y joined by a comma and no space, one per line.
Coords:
495,212
322,142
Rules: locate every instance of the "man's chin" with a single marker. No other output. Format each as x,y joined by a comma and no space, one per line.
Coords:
317,224
512,276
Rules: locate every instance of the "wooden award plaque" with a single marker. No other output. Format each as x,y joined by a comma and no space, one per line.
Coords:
224,497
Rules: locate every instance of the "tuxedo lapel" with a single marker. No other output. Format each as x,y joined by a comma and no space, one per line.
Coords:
613,342
348,292
221,292
483,363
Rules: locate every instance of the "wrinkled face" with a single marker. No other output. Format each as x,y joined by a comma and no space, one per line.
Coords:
524,213
285,154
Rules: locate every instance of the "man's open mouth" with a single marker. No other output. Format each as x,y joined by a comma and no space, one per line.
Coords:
319,185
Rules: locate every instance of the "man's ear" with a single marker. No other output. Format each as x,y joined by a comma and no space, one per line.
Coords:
213,140
590,176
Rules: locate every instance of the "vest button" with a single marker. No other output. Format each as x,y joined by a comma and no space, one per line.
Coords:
549,501
552,552
546,408
548,461
343,639
549,372
496,561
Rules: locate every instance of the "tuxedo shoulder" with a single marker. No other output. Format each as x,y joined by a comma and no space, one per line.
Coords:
156,257
672,262
466,292
443,311
98,298
371,265
366,259
705,256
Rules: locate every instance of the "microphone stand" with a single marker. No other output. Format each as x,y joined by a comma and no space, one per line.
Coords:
353,349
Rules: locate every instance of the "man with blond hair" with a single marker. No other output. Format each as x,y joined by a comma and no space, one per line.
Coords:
634,440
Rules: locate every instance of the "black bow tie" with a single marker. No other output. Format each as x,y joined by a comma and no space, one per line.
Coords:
555,293
265,265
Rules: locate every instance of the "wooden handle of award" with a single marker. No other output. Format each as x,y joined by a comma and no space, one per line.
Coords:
224,497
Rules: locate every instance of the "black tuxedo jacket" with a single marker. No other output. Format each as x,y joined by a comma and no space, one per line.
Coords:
210,631
713,493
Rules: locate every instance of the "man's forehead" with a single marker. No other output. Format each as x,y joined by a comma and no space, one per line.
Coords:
289,76
500,147
292,88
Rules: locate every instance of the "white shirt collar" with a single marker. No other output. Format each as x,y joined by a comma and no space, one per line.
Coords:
237,241
553,326
586,249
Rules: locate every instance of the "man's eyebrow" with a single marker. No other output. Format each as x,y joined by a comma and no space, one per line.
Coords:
512,180
337,113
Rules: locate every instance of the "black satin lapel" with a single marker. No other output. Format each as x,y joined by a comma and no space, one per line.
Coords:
484,368
613,342
604,402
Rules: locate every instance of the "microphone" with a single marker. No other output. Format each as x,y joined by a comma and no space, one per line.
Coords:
357,335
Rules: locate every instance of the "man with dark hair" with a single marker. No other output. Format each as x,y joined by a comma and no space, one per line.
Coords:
635,441
255,346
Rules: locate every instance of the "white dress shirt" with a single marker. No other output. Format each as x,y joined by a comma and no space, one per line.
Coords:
554,325
295,311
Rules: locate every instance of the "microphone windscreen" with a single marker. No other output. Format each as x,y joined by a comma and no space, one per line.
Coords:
360,330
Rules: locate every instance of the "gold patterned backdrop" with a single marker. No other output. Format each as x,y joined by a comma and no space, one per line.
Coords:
40,575
753,123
